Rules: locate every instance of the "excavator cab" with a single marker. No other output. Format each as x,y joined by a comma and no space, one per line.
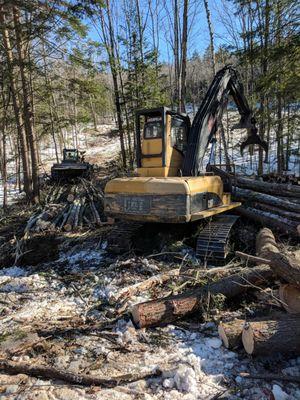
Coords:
161,137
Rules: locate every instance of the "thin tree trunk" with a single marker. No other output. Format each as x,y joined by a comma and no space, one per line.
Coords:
27,107
184,56
16,105
110,47
211,35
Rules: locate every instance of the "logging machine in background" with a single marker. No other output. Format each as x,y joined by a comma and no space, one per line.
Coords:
171,186
71,167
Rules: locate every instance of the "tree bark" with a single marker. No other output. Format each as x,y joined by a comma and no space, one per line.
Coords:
231,333
169,309
285,267
251,196
272,336
211,35
110,47
27,107
293,216
278,189
274,221
184,56
16,105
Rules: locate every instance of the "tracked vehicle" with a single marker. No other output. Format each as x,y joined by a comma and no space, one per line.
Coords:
72,166
171,186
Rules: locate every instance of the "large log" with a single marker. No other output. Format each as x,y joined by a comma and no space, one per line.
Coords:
171,308
286,267
231,333
293,216
280,189
272,336
290,298
252,196
271,220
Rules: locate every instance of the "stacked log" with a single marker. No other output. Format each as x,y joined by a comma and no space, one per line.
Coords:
275,333
275,205
69,207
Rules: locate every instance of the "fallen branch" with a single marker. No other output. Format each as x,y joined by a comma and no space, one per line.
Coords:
271,377
249,257
169,309
47,372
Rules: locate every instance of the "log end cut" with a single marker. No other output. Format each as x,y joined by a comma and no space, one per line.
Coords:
290,297
223,336
248,338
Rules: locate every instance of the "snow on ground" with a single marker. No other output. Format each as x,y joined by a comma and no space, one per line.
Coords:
73,290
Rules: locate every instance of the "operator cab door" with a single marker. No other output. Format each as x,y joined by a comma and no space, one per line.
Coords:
152,142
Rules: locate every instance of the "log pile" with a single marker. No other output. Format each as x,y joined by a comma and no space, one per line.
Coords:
276,205
69,207
278,333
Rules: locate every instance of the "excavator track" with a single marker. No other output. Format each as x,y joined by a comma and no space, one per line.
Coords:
213,240
120,238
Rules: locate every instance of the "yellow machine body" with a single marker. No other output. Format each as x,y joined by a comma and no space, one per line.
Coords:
159,193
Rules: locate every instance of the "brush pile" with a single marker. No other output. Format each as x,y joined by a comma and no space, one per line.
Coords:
69,207
276,205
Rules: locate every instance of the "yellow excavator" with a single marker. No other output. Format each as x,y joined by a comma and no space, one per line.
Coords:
170,186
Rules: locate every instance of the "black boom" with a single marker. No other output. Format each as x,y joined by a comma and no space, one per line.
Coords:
204,126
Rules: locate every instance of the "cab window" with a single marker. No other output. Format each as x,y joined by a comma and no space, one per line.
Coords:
153,130
179,134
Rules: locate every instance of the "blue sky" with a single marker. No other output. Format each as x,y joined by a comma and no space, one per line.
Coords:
198,35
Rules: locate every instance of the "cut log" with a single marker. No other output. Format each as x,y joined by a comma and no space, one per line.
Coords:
285,267
293,216
251,196
280,189
231,333
271,220
272,336
266,243
169,309
290,298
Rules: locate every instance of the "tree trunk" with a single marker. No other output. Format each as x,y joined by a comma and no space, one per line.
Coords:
272,336
16,105
271,220
231,333
27,107
169,309
293,216
252,196
184,56
278,189
211,35
110,47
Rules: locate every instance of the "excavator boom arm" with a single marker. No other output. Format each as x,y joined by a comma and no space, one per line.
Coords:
206,119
